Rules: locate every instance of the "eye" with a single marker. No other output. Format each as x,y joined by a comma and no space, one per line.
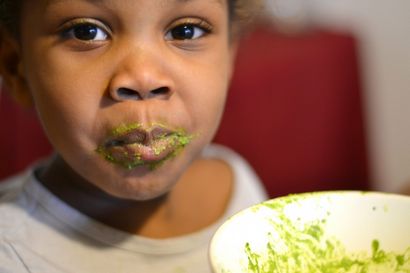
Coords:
85,31
187,32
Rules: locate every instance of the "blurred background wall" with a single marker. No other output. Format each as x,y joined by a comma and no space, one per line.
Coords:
383,31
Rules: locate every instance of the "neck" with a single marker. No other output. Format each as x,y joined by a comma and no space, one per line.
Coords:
127,215
187,203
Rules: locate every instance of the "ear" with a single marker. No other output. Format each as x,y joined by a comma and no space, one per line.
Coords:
11,69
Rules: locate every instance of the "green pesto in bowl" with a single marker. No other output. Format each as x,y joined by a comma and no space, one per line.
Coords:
326,232
308,249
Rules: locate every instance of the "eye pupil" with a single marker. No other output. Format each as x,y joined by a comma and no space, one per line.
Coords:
85,32
183,32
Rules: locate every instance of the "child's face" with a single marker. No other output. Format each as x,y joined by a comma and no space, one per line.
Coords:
105,74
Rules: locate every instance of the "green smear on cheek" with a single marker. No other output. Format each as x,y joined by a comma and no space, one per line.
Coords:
306,249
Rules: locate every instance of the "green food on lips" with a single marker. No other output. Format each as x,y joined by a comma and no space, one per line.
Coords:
125,128
307,249
178,140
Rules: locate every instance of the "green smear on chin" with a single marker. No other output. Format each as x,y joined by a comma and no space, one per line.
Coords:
309,250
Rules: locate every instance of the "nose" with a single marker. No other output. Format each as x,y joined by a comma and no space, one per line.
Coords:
141,75
126,93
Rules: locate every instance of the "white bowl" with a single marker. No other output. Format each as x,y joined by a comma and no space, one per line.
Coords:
332,232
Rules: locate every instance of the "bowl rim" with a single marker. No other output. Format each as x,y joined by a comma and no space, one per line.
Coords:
296,197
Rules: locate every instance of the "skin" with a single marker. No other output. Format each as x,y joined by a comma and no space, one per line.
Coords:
73,84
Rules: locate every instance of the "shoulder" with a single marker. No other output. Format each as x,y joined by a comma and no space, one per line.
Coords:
12,186
235,160
247,185
10,258
241,169
14,202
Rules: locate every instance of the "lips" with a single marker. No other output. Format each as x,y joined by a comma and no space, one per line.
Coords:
136,146
139,136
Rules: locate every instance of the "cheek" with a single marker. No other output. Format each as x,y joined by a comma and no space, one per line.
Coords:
201,83
207,101
66,98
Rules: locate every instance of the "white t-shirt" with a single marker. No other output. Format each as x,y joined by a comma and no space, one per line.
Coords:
40,234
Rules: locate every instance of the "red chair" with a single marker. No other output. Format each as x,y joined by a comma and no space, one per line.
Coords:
22,140
295,112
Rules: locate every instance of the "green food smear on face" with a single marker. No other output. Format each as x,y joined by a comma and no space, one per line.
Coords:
178,140
125,128
305,248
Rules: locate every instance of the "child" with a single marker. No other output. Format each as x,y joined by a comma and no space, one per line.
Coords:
130,93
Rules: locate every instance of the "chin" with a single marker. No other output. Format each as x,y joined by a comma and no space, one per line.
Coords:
141,183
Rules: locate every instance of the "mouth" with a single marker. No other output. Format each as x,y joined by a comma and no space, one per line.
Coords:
133,146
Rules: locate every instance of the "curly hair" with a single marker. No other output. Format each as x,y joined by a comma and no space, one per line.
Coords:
241,13
10,14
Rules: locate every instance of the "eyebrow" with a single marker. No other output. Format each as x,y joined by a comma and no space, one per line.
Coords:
104,2
101,1
185,1
218,1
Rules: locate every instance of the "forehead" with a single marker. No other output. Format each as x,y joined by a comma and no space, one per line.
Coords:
160,1
135,5
133,8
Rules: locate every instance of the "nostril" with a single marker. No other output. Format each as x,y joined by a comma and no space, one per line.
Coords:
162,91
128,94
125,93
